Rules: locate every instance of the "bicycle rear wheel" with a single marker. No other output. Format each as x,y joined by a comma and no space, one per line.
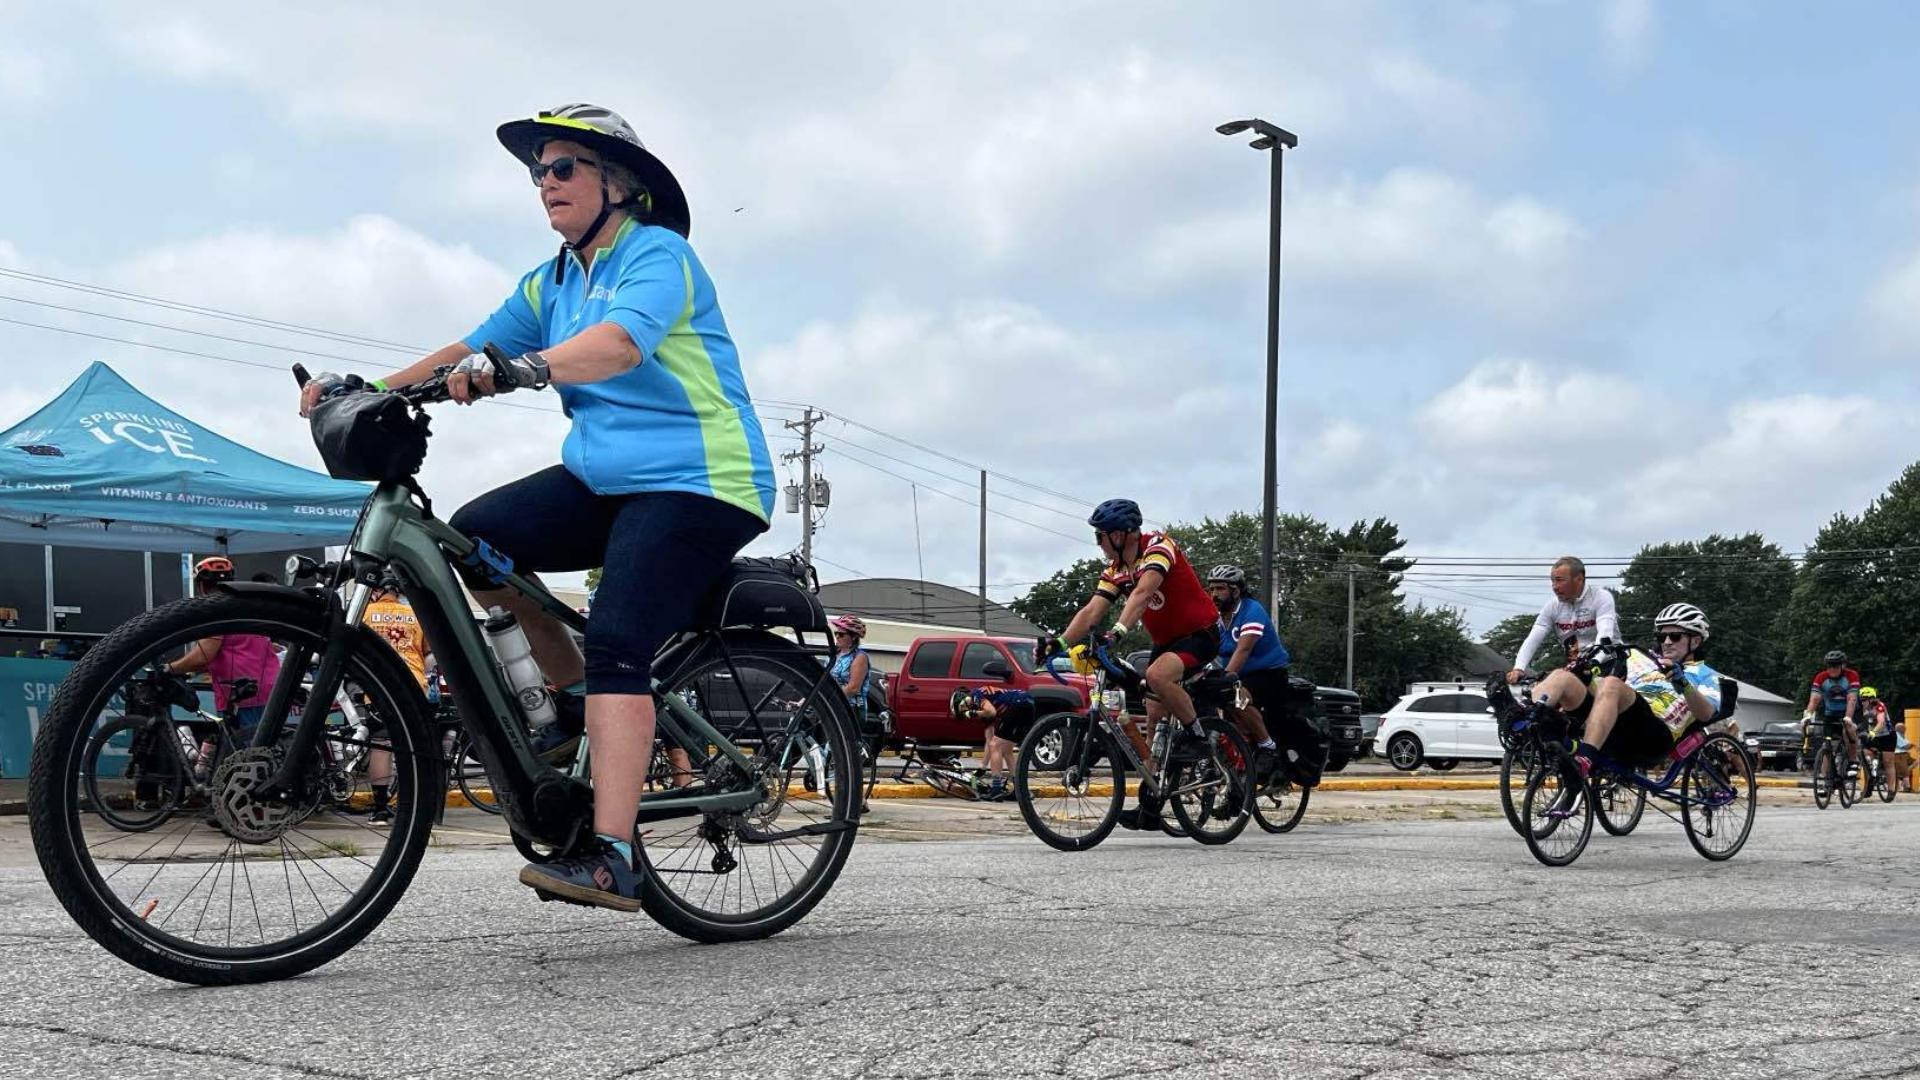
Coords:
133,780
1719,795
747,875
1068,783
1618,804
1212,795
1558,811
1889,785
1279,804
271,886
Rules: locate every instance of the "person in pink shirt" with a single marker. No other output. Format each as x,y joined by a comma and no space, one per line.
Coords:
229,658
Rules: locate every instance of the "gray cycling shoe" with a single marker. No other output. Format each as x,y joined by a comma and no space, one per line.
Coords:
599,876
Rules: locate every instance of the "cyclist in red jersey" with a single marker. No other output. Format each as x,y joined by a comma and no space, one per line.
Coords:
1159,591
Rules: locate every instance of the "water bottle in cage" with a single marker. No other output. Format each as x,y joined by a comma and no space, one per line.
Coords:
515,656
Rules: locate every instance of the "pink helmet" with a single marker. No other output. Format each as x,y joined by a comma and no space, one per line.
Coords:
850,624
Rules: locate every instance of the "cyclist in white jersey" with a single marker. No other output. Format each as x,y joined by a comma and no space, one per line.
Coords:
1578,615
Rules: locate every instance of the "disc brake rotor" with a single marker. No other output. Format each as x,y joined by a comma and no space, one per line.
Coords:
237,805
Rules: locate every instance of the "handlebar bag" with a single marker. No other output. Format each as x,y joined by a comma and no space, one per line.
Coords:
369,436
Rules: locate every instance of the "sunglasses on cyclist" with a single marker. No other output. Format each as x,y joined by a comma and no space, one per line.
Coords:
1665,636
561,168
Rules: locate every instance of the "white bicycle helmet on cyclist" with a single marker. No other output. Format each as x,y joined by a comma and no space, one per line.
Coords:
1686,617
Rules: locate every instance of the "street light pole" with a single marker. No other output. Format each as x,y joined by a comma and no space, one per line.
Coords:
1274,139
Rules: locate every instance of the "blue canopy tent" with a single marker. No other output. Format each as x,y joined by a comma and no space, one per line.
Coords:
104,465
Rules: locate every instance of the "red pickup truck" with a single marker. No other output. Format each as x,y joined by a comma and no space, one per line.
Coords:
937,666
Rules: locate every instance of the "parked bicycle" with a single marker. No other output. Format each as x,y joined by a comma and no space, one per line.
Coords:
1070,778
734,855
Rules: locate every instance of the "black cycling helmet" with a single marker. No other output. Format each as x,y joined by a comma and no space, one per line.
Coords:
1116,515
1836,657
961,704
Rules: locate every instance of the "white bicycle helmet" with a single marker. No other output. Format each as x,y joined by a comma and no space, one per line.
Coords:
1686,617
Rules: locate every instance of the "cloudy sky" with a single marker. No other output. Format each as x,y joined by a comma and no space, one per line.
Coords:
1558,276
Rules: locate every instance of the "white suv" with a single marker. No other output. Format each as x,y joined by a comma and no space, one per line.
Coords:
1438,725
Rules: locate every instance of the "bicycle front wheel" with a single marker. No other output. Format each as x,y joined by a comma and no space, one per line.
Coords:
750,874
1719,796
1823,777
1212,795
257,887
1889,785
1845,776
1517,767
1279,804
1558,811
1068,783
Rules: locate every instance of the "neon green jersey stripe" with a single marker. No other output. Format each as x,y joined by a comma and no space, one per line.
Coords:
729,456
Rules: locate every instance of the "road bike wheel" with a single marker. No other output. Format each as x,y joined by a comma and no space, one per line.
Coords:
1558,812
1719,795
1068,782
470,776
1517,766
1823,777
950,782
132,780
1844,781
750,874
1212,795
274,887
1280,803
1889,786
1617,804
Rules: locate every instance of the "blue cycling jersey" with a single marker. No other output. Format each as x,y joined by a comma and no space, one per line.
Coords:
1250,620
679,421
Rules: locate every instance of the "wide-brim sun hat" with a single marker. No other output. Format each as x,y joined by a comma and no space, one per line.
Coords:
606,133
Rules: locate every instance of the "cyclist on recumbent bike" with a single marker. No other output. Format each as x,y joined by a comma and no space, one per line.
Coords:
665,474
1160,592
1638,705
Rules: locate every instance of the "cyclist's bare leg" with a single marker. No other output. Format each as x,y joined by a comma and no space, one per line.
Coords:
1251,724
1610,699
1561,689
1163,678
1887,771
553,647
620,727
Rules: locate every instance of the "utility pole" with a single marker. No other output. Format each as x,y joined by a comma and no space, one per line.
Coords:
802,499
1349,627
983,551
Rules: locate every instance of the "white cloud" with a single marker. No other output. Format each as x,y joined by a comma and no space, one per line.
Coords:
1524,418
1893,305
1628,28
25,78
174,44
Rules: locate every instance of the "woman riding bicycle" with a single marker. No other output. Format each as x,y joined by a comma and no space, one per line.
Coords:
227,660
665,472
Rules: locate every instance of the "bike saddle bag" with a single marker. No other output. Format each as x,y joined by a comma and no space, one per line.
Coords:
1213,687
369,436
764,593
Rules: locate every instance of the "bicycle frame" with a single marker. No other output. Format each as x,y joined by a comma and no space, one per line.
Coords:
1097,714
1661,788
539,801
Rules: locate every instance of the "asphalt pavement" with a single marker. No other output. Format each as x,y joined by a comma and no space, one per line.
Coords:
1417,941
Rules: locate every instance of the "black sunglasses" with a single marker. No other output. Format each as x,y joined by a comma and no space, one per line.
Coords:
1665,636
561,168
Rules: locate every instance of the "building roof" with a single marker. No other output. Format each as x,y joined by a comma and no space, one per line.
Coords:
922,603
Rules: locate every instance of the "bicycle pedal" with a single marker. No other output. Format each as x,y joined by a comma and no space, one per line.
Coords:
550,897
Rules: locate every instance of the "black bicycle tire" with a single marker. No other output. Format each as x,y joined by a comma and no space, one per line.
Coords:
1196,827
1889,785
1531,752
1632,819
1102,750
53,811
1823,777
679,916
1570,780
1844,785
89,767
1734,751
1286,823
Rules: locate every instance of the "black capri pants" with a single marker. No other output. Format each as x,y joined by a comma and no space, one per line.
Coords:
660,553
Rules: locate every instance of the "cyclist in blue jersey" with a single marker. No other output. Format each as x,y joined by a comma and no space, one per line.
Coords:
665,472
1007,713
1250,647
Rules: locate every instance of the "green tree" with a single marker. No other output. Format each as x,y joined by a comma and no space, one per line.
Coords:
1743,583
1510,633
1859,590
1050,604
593,579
